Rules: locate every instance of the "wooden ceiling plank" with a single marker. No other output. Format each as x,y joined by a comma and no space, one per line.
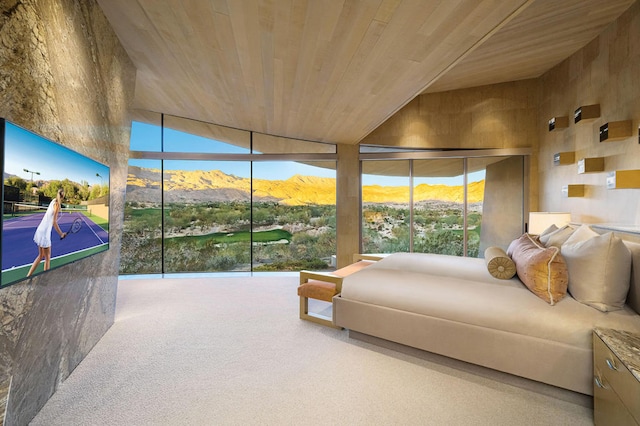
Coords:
247,25
307,46
333,71
543,35
352,34
386,10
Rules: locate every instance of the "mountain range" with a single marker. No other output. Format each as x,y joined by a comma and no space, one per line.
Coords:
186,186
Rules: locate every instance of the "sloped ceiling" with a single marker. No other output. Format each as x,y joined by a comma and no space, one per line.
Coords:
334,70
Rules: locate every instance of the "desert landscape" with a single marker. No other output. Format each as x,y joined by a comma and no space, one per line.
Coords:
210,223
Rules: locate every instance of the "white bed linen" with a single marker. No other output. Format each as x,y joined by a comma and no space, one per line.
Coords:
461,289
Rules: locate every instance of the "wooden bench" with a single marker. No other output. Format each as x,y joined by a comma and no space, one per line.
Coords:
324,285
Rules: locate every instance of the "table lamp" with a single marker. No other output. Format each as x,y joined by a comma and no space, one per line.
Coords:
539,221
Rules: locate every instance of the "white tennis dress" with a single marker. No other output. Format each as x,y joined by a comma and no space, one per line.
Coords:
42,237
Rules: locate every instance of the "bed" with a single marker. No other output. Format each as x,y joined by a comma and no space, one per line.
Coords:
455,307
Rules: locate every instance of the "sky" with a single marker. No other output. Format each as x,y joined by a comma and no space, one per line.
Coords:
147,137
26,150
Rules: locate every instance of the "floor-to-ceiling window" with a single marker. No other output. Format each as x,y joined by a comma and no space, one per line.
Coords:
438,206
141,249
205,198
447,202
294,210
207,216
386,224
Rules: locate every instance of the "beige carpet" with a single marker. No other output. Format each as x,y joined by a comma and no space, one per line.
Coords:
232,351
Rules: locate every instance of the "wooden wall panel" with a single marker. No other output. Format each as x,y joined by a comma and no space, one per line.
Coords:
497,116
604,72
348,204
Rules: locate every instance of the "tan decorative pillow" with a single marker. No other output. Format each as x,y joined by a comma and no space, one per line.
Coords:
499,264
599,269
542,269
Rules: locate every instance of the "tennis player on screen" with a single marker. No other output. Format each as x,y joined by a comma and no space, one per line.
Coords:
42,237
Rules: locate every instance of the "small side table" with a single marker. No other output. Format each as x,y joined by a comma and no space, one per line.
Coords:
616,374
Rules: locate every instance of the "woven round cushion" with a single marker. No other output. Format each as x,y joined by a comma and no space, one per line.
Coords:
499,264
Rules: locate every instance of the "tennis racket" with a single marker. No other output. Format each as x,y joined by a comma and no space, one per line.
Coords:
75,227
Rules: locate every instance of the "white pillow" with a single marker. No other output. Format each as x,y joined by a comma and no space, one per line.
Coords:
583,233
599,269
549,230
558,237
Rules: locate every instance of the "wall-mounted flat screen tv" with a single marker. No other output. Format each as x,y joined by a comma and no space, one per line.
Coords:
55,205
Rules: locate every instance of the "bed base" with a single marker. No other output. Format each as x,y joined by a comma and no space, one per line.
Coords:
554,363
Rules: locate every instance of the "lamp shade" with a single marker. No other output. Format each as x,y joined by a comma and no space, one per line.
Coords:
539,221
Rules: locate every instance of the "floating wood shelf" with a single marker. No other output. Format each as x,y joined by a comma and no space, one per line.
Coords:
591,165
576,190
586,112
557,123
562,158
616,130
621,179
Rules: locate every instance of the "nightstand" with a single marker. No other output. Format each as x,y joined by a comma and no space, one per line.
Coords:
616,373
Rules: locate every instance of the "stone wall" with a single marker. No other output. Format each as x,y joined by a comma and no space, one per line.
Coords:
64,75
